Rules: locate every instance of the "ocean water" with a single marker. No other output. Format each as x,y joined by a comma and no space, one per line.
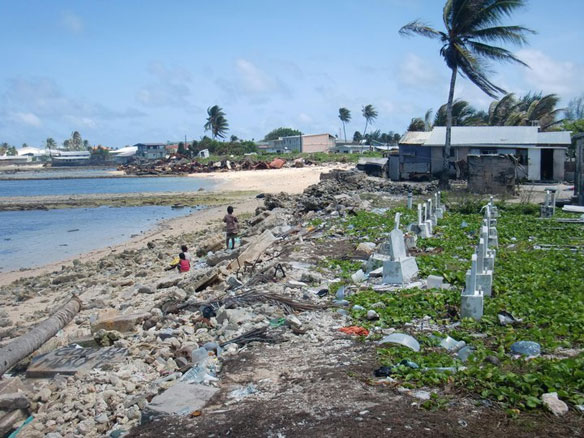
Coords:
78,186
38,237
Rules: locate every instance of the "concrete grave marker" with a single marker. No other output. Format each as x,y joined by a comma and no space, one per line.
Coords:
68,360
484,277
439,211
400,269
471,305
420,228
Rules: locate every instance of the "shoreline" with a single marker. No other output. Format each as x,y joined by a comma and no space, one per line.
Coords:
290,180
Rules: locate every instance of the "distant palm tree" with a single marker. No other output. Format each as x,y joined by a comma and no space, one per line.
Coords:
345,116
531,109
470,25
462,114
216,122
370,114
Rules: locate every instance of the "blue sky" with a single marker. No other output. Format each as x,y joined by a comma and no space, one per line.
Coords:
123,72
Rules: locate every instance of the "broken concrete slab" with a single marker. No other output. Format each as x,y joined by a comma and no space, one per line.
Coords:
14,400
69,360
253,251
180,399
434,282
121,323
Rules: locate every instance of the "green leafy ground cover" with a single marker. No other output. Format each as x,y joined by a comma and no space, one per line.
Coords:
544,288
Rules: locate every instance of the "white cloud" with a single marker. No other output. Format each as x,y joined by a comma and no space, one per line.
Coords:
72,22
550,75
415,71
253,79
169,88
29,119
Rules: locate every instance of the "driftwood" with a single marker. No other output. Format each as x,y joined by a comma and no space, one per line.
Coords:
19,348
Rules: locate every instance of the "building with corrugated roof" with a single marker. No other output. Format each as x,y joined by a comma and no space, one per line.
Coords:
540,155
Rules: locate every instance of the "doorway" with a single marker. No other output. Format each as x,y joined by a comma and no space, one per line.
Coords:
547,165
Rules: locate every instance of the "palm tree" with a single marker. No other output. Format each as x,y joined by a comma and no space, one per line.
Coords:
533,108
462,114
470,25
370,114
345,116
216,122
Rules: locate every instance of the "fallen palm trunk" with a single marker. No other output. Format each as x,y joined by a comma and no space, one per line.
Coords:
256,335
26,344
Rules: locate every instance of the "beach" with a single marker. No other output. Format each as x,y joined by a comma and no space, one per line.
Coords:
236,188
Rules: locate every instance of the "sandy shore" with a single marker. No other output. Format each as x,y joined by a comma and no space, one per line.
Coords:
290,180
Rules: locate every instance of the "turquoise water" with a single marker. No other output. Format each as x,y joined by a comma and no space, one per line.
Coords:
37,237
78,186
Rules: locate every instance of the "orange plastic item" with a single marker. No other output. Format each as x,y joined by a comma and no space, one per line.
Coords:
355,330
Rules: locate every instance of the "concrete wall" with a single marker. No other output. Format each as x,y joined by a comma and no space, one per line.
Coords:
559,160
533,164
493,174
436,157
317,143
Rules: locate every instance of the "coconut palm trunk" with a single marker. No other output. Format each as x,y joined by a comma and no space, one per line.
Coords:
447,143
21,347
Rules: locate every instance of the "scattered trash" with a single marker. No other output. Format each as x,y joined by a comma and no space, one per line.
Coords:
357,307
462,423
355,330
383,371
208,312
386,371
359,276
554,404
322,293
526,348
372,315
278,322
451,344
340,293
343,312
401,339
463,224
505,318
464,353
243,392
422,395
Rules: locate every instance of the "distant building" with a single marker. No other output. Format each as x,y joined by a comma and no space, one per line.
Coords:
295,143
123,155
203,153
151,151
540,155
70,158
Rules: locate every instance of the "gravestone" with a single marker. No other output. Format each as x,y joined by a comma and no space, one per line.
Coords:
400,268
420,228
484,276
427,219
471,303
489,254
68,360
432,213
439,210
410,200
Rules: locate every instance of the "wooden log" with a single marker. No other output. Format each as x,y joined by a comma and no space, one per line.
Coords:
21,347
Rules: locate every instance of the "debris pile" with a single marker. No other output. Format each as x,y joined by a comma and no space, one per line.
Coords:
183,166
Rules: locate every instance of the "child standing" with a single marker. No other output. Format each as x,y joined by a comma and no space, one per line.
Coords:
231,227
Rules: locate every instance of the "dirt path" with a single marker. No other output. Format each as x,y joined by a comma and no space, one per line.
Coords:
325,389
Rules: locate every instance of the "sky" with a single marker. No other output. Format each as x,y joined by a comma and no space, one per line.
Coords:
123,72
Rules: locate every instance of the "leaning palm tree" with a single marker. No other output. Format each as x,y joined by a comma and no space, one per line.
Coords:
216,122
470,25
345,116
462,114
370,114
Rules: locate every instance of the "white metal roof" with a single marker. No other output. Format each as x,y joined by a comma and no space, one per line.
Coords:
497,136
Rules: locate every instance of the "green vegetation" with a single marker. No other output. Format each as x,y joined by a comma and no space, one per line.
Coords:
281,132
542,287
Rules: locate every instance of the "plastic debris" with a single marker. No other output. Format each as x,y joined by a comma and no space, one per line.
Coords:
322,293
372,315
243,392
355,330
357,307
401,339
359,276
526,348
464,353
342,312
505,318
554,404
452,344
278,322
